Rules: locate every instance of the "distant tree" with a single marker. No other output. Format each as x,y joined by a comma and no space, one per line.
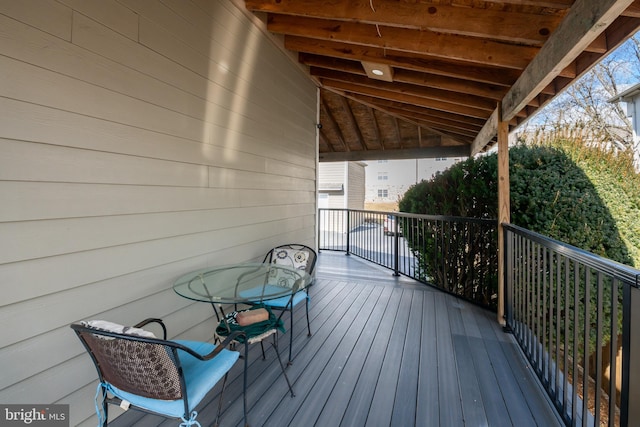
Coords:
585,103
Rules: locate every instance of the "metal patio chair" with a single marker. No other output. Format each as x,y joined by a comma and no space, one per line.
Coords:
300,257
168,378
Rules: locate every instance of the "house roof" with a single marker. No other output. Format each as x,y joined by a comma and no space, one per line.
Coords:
627,95
452,68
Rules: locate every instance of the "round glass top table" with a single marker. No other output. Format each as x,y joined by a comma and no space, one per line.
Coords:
241,283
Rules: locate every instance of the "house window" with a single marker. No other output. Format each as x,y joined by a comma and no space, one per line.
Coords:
441,159
383,192
383,161
383,176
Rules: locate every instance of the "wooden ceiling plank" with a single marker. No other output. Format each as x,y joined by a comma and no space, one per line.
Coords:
488,23
334,125
390,106
375,126
324,140
397,130
451,124
353,123
422,91
424,42
448,129
408,98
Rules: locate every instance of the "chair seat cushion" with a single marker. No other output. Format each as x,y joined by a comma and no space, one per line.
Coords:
282,302
256,293
200,377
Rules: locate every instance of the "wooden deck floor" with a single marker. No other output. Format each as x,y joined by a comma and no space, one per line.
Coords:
385,351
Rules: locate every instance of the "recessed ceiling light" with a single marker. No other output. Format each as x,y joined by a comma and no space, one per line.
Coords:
378,71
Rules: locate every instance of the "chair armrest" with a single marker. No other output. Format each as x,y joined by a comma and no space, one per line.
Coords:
226,343
153,320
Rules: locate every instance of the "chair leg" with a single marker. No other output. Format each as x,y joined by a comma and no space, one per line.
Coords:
244,385
105,407
262,347
224,383
290,338
308,324
286,377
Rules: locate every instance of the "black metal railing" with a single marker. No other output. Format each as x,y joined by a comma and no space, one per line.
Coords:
571,313
458,255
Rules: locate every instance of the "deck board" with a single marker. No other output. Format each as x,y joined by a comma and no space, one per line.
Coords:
385,351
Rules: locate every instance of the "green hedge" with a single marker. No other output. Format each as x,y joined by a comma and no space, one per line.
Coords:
571,196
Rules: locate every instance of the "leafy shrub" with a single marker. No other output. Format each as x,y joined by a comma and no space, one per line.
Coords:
550,194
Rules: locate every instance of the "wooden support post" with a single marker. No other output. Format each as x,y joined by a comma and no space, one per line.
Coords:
504,207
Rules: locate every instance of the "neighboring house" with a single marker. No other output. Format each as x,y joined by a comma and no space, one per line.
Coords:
631,97
341,185
388,180
139,141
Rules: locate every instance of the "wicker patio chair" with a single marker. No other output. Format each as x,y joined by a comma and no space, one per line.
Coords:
169,378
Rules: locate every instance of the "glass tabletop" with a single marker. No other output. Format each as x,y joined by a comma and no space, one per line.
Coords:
240,283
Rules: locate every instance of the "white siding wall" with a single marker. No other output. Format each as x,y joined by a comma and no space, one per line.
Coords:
332,174
139,139
356,185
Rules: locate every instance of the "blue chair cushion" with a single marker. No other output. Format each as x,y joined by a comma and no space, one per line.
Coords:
282,302
256,293
200,377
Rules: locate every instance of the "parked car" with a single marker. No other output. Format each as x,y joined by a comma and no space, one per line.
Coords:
390,226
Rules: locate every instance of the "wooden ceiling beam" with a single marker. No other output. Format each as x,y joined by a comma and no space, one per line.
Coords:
468,134
421,91
408,98
467,71
554,4
586,20
454,150
487,23
633,10
427,43
428,80
422,117
390,106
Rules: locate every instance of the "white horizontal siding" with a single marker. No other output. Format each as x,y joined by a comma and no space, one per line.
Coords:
139,139
356,183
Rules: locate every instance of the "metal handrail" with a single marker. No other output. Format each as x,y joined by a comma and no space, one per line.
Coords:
408,244
557,296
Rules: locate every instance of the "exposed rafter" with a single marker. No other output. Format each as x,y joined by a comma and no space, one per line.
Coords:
451,62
